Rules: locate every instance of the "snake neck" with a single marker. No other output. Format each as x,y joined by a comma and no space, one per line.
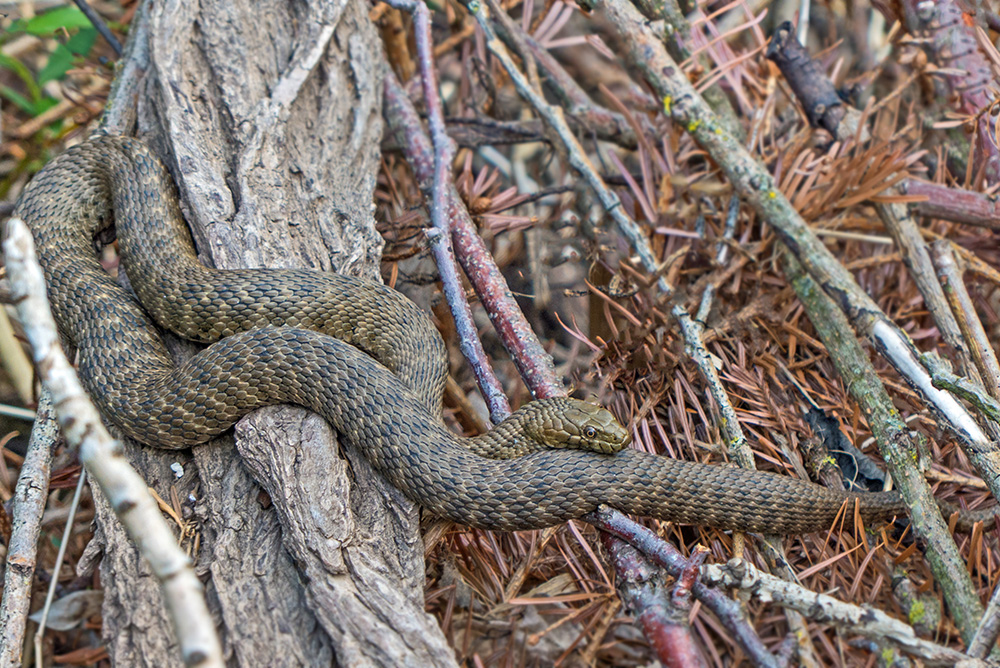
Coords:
506,440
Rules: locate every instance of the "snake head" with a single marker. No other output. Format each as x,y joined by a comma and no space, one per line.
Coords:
570,423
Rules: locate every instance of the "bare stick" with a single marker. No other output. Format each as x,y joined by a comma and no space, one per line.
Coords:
98,23
103,457
30,496
440,236
852,362
732,433
866,621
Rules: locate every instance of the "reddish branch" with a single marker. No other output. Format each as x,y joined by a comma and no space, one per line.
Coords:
439,237
954,204
670,559
531,359
664,618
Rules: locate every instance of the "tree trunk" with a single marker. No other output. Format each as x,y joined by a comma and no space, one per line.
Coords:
268,114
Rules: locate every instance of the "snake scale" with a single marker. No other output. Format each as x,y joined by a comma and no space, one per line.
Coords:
378,379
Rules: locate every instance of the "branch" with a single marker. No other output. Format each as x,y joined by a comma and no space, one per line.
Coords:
532,361
30,499
440,237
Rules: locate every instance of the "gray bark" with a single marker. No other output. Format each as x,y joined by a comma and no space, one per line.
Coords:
268,114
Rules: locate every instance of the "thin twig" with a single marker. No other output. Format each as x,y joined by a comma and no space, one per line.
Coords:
51,593
974,393
954,45
581,109
102,27
732,434
440,237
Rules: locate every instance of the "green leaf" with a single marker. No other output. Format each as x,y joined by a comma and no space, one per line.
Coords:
60,60
18,100
22,72
50,22
28,106
82,42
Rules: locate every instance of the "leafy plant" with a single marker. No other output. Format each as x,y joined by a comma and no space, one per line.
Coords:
58,22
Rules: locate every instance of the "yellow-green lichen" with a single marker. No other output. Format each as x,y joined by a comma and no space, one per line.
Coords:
917,612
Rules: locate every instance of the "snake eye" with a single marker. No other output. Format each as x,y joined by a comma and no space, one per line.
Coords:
590,432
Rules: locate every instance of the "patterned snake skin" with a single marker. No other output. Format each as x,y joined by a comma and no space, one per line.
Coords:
270,343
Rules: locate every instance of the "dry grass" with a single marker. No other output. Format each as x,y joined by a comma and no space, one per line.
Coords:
481,585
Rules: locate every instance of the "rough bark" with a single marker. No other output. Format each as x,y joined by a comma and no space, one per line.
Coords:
268,114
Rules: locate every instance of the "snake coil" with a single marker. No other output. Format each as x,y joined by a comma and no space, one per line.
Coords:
384,400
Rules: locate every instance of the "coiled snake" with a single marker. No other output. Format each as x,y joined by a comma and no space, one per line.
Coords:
270,343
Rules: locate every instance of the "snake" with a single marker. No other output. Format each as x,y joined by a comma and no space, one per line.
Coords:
358,353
